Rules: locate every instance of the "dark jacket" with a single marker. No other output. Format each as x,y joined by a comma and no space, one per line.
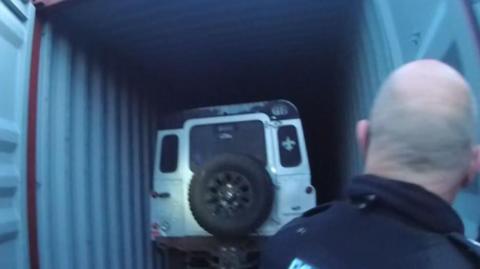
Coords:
386,224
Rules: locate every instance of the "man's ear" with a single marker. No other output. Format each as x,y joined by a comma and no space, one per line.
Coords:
362,135
474,164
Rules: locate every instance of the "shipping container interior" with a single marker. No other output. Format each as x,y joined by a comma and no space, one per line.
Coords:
110,69
202,53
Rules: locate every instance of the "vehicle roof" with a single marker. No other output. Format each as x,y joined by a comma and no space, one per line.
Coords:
274,109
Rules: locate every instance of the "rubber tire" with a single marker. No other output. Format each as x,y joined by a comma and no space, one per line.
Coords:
243,224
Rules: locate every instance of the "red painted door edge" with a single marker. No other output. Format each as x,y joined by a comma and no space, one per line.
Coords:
32,146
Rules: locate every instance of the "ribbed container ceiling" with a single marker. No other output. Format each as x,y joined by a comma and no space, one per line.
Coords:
96,126
185,35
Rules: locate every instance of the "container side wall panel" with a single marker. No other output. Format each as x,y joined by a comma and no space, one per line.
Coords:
94,156
372,64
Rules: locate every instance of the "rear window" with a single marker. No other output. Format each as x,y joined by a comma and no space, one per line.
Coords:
210,140
289,146
169,154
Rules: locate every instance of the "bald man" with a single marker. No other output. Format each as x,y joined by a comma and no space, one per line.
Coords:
419,152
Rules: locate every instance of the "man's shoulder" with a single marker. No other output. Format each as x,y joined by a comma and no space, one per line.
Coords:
354,232
446,251
304,239
336,211
311,215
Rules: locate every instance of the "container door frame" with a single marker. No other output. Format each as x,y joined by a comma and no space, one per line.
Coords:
16,33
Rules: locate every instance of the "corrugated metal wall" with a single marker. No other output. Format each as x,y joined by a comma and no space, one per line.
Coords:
374,60
96,127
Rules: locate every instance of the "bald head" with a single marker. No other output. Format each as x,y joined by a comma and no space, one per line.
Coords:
426,86
422,126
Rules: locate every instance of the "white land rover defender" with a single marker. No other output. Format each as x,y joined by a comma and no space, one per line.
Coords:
228,175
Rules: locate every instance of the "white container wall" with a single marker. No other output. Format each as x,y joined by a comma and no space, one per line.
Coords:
396,32
96,129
